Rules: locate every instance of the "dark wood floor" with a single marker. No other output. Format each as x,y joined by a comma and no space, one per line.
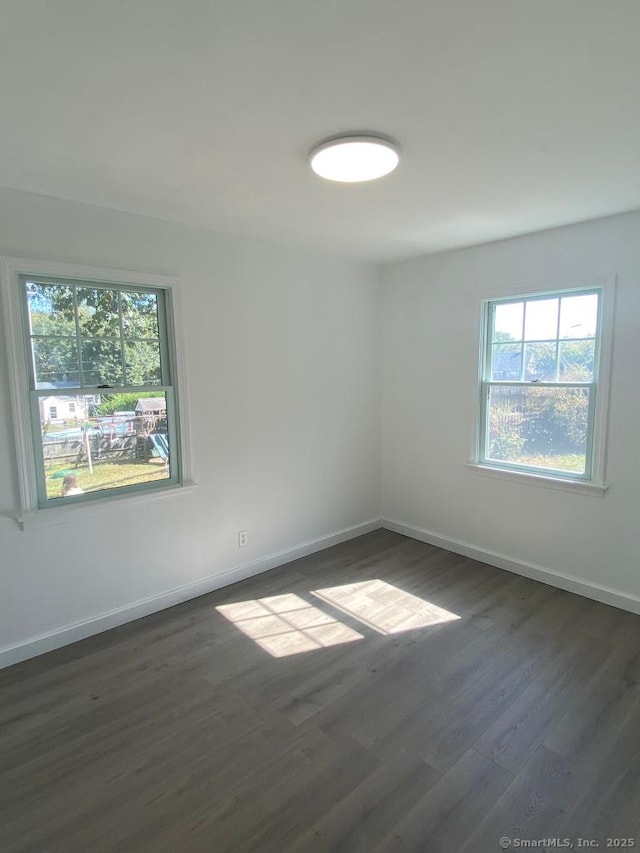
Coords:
363,717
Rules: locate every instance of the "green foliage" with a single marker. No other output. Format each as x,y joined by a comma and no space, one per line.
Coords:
112,403
115,331
540,361
558,461
555,421
565,415
143,362
506,441
576,361
55,354
538,420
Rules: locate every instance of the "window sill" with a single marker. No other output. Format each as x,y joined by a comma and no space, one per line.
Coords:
41,518
580,487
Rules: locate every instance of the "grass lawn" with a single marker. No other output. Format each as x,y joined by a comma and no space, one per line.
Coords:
558,461
106,475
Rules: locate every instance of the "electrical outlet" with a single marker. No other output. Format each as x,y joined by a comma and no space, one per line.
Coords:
243,538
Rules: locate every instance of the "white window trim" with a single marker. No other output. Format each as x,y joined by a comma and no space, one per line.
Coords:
563,484
597,485
27,514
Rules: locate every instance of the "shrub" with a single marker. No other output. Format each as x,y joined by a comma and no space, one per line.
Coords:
111,403
505,433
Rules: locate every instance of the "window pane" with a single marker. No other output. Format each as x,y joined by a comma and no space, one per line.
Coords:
507,321
506,362
98,313
101,362
55,362
539,427
579,316
576,361
540,362
143,363
541,320
50,309
140,315
101,445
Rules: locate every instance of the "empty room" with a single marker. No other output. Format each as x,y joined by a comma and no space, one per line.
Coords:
319,419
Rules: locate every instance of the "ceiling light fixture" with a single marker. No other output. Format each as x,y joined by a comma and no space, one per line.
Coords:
354,157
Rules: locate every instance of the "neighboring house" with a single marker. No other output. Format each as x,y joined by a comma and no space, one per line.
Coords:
57,408
151,406
506,365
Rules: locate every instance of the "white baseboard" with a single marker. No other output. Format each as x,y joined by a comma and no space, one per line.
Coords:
137,609
597,592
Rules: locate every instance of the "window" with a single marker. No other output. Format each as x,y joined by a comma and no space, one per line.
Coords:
93,366
541,407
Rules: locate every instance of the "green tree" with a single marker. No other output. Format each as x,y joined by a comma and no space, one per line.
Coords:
576,360
113,333
55,353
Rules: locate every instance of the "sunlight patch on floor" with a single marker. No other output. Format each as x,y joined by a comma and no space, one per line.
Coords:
384,607
287,624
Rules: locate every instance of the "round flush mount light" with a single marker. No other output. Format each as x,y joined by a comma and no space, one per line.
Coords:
354,157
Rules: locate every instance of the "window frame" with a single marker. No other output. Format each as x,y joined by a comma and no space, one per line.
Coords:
592,481
33,511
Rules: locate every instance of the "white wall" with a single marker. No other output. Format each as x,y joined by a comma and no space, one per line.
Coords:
430,316
284,361
282,366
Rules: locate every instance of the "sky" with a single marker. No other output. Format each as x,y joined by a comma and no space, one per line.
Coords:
578,318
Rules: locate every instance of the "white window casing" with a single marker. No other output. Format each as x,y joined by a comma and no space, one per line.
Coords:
34,509
591,480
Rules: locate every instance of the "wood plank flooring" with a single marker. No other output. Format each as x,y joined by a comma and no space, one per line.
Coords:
383,695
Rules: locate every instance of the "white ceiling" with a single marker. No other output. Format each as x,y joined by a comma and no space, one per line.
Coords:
513,115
